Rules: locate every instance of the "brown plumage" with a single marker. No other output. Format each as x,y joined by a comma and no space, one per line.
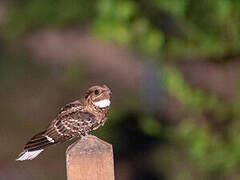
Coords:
75,119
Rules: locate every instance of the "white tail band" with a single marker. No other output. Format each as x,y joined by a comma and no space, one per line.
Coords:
29,155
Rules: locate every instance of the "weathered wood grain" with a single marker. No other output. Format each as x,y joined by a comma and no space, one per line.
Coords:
90,159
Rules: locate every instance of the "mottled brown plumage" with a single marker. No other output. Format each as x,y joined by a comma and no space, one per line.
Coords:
75,119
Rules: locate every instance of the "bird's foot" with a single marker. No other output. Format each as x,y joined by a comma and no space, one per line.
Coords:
85,137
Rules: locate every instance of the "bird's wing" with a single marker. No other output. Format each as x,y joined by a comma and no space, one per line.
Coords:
71,107
71,122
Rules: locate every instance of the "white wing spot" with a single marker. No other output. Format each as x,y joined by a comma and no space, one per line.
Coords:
50,139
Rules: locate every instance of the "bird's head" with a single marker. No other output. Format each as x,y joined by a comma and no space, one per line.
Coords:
99,96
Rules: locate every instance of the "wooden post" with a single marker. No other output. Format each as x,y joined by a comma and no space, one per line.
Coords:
90,159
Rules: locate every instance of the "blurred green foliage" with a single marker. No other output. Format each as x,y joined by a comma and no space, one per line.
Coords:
160,27
29,15
215,152
206,28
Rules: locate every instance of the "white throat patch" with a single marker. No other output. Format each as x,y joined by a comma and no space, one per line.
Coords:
103,103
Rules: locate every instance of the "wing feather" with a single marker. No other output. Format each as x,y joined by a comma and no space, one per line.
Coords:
72,121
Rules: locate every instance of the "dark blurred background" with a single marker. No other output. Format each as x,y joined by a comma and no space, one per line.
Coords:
173,67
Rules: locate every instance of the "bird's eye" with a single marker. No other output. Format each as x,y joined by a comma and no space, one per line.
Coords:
96,92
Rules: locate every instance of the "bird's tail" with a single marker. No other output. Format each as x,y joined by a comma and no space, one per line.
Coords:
35,146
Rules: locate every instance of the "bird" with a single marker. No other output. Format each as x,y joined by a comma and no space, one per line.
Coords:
74,120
